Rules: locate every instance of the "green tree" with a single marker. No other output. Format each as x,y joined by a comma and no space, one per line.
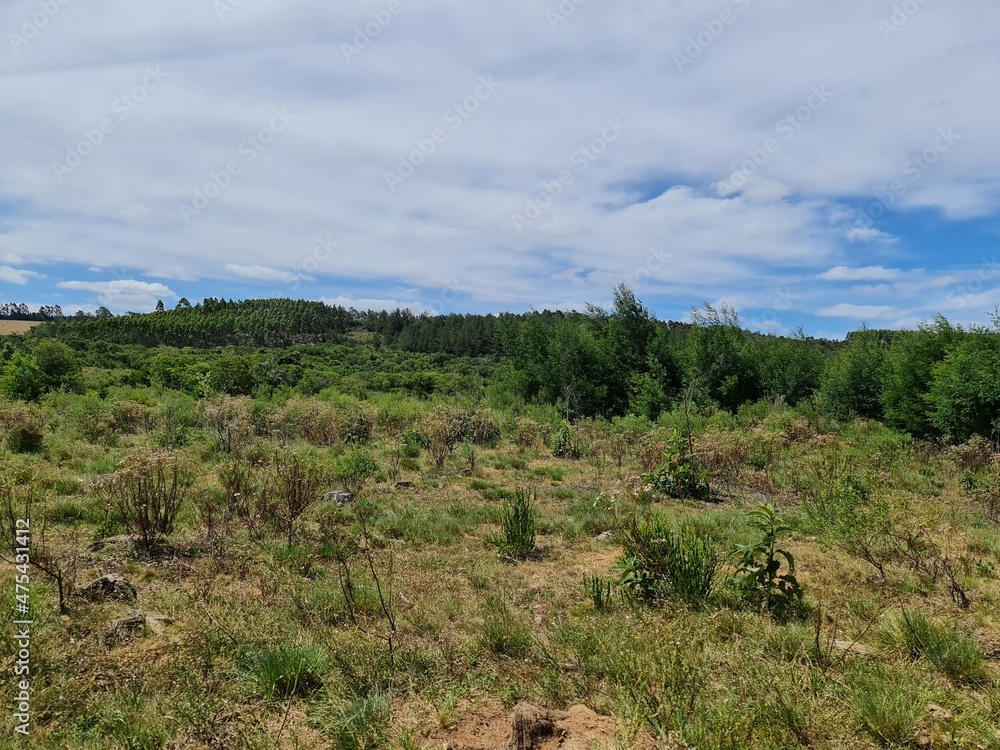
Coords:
852,381
909,373
965,392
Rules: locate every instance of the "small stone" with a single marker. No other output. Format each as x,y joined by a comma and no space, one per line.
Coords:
340,497
107,587
939,713
125,629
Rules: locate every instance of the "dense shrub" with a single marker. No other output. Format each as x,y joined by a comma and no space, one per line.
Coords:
659,562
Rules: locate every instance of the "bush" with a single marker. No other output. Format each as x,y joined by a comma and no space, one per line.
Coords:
355,469
679,475
25,428
517,521
148,492
658,563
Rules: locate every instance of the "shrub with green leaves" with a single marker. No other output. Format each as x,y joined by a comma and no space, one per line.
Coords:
355,469
759,577
659,562
679,474
517,522
563,443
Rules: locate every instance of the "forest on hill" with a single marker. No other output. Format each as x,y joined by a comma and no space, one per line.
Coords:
939,380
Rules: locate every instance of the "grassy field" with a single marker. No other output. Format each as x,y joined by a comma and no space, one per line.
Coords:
8,327
489,560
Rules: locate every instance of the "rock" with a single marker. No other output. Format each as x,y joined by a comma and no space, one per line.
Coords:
109,587
157,622
529,726
113,541
125,629
604,536
340,497
939,713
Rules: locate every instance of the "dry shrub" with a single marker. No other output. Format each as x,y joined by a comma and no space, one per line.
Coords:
309,419
25,427
128,417
484,428
445,429
650,449
357,425
229,419
148,491
975,454
525,434
799,430
724,453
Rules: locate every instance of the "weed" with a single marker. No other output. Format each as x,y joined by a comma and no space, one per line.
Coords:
517,522
659,562
285,671
504,632
758,568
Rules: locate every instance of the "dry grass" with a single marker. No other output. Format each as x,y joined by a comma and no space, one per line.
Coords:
473,634
16,327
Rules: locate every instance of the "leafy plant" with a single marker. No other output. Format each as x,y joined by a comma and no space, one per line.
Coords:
517,522
679,474
659,562
759,575
563,444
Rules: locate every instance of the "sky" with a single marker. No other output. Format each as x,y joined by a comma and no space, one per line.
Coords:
825,164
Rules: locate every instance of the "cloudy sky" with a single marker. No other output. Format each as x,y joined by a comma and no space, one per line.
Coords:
817,164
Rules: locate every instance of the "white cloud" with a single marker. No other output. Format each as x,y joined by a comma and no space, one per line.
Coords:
859,312
266,273
867,234
122,294
16,275
375,304
448,226
868,273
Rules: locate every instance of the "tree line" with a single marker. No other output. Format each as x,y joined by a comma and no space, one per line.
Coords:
939,380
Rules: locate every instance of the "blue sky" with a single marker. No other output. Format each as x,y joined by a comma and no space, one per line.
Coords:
816,164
